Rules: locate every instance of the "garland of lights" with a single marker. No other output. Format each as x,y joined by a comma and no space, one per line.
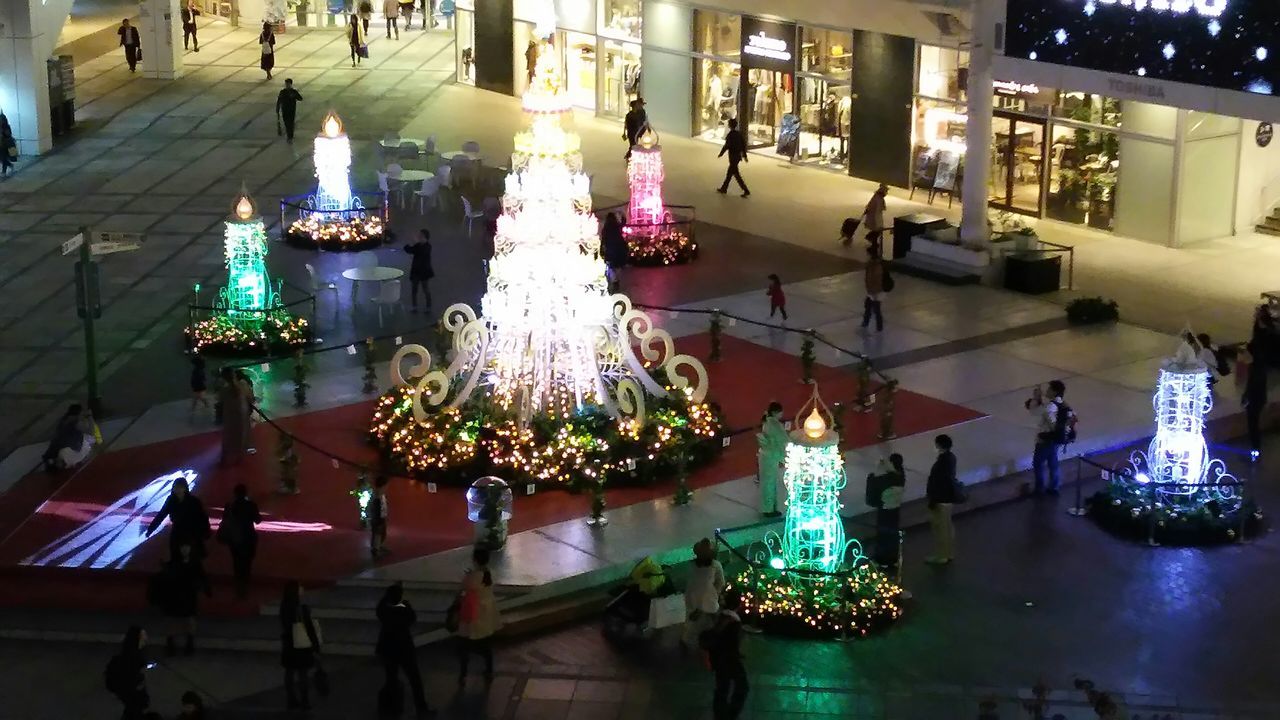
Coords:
1176,491
554,380
334,218
652,237
810,580
249,316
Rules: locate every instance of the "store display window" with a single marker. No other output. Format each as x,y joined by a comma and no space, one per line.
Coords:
621,77
1083,168
769,95
465,45
824,109
715,97
940,125
943,73
579,64
717,33
621,19
826,52
1086,108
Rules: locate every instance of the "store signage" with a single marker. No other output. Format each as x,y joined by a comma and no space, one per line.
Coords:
768,45
1225,44
1133,88
1263,134
1015,89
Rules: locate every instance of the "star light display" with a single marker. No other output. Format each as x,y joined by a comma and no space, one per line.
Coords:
810,580
546,384
1216,43
1176,485
652,233
249,315
334,218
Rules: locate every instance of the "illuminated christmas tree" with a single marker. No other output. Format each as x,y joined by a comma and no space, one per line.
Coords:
249,314
810,579
546,380
334,218
652,230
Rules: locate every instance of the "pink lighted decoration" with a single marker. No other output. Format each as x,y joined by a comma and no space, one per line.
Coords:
644,177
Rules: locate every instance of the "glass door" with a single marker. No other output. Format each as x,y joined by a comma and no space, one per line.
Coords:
766,97
1017,163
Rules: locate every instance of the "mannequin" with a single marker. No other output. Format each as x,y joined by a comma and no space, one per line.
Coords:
842,120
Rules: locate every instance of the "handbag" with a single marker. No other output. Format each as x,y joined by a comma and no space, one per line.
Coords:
301,640
363,51
667,611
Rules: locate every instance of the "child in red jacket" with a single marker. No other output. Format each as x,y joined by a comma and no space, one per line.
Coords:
777,299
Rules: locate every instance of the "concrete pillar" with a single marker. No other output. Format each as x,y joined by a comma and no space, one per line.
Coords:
977,156
160,30
24,76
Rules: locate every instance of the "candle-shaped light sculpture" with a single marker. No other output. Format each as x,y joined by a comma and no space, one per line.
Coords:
653,234
334,217
813,538
332,157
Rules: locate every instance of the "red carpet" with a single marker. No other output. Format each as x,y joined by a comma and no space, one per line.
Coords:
314,536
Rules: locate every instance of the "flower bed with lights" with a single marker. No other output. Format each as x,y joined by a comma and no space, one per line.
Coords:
656,234
554,382
249,317
1174,492
333,218
810,580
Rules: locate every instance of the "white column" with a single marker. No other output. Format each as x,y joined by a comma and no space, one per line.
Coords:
160,30
977,156
24,77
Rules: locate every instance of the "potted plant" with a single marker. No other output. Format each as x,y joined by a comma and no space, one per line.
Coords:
299,8
1090,310
1068,203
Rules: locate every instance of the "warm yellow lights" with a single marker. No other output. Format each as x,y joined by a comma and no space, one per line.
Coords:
648,138
814,426
244,208
332,125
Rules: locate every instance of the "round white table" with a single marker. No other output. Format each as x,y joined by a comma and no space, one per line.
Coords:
415,176
461,153
376,274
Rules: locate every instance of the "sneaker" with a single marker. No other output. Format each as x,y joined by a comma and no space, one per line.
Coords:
746,194
722,191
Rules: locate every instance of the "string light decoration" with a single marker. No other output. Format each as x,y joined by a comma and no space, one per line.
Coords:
554,381
810,580
1176,491
652,236
249,316
334,217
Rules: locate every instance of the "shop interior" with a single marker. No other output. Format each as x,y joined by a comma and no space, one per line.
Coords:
769,95
578,63
824,122
465,47
621,77
716,90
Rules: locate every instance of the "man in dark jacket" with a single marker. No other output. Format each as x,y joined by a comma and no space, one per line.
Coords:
131,43
723,643
634,124
238,532
189,519
420,271
287,107
941,494
736,146
395,647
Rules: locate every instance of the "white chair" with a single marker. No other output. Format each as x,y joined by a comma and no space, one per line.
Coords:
429,147
318,285
471,146
431,190
388,296
470,215
445,176
384,184
394,170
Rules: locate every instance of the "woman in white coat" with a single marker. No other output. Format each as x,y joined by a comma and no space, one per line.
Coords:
772,440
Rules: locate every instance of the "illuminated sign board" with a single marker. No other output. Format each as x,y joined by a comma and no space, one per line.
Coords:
1227,44
768,45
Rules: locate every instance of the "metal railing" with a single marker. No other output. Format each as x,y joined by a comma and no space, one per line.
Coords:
1042,245
375,204
197,312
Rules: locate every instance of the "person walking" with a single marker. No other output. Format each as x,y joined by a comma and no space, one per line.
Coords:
287,107
396,650
777,298
391,14
736,146
235,417
613,246
267,45
8,146
244,385
356,34
238,531
723,645
940,493
420,271
1254,398
190,11
1053,425
187,516
125,676
300,646
131,43
199,384
366,14
477,616
378,514
873,217
771,444
633,124
176,592
873,279
891,481
702,594
406,13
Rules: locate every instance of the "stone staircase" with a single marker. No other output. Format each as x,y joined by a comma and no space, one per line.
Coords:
1270,224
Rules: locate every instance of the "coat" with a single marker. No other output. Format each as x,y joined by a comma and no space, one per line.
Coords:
237,530
190,521
395,630
176,590
874,277
941,487
420,267
479,616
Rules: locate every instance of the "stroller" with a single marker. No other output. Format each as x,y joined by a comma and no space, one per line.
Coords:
627,614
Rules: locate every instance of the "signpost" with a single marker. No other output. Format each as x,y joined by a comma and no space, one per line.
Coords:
88,293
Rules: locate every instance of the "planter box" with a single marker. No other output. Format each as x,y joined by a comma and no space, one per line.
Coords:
975,260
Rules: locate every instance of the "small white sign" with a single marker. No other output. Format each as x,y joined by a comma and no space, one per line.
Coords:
733,321
73,244
631,464
1106,475
529,489
399,340
724,442
335,463
431,487
674,314
265,367
787,425
351,349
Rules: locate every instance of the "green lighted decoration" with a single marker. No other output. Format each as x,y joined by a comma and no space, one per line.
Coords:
248,316
813,538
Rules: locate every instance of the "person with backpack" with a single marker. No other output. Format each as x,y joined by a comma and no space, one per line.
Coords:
722,644
125,675
878,282
885,487
477,616
1054,429
239,533
702,595
941,494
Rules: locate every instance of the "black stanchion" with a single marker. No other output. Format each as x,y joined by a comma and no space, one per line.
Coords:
1078,510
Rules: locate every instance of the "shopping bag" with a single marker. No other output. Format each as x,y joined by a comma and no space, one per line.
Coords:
363,51
666,611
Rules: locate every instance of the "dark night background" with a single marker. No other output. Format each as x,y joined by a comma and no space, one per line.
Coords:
1121,39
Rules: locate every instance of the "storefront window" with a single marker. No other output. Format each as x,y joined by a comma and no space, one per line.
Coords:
715,97
1017,156
717,33
826,52
1083,167
621,19
465,45
939,126
579,63
1087,108
622,77
824,122
943,72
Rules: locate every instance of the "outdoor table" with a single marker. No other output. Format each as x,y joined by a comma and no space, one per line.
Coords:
396,145
415,176
376,274
448,156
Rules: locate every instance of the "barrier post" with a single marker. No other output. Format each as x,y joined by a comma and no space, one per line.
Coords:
1151,517
1078,509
